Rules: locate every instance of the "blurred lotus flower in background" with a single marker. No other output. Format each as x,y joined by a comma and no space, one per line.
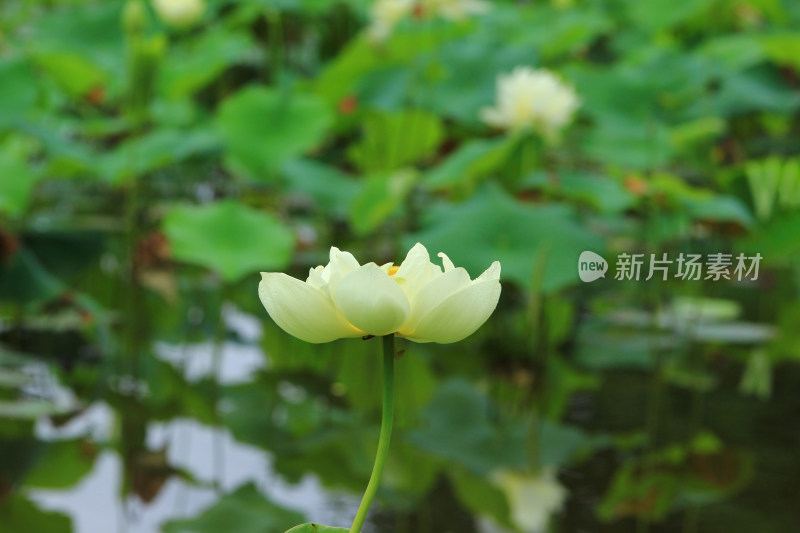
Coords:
179,13
384,15
416,299
454,9
532,499
534,98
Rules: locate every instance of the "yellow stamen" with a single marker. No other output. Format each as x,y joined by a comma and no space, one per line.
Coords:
393,270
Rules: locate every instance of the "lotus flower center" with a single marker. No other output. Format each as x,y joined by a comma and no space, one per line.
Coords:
393,270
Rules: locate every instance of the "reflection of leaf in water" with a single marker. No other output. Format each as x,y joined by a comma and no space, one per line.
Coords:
62,465
18,454
245,510
316,528
458,425
150,471
720,471
18,513
30,409
699,472
12,379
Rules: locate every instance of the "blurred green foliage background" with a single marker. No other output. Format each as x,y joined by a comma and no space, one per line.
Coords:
153,161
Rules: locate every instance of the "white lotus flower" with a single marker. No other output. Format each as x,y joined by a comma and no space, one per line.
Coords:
532,98
384,16
417,300
531,499
179,13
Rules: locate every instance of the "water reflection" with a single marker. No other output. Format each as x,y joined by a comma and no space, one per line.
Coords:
177,476
95,506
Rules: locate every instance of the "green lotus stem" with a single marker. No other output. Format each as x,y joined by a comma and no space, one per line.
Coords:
386,434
